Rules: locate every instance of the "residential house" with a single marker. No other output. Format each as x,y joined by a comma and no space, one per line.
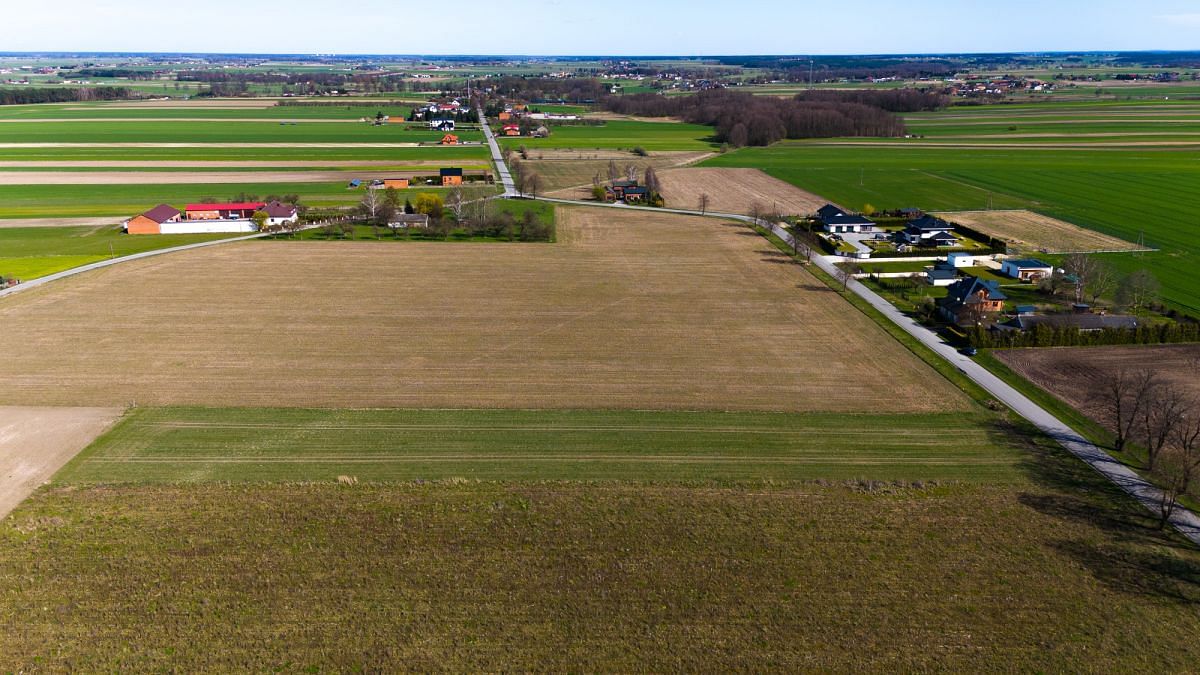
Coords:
1026,269
151,221
929,231
834,219
449,139
957,260
279,212
635,194
451,177
617,190
441,125
395,183
511,130
971,300
941,275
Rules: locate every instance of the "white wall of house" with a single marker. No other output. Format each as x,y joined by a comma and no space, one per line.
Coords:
208,227
280,221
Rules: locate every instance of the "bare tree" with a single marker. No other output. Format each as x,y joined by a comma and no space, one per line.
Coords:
1081,266
1124,397
846,272
631,172
613,172
756,212
703,202
1103,281
518,175
1180,468
651,181
1137,290
533,182
1165,406
369,206
455,200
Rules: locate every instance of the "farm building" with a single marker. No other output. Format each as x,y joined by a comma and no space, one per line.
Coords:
1026,269
1086,323
441,125
619,189
395,183
941,275
449,139
451,177
222,211
970,300
511,130
278,213
836,220
151,221
407,220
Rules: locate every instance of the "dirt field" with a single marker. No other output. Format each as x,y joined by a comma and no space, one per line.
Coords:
735,191
1033,230
570,175
629,310
36,442
58,222
1075,373
213,164
199,177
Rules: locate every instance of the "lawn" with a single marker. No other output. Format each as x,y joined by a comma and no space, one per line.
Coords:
624,134
31,252
167,445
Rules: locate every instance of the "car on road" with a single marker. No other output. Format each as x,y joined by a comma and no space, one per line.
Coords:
969,351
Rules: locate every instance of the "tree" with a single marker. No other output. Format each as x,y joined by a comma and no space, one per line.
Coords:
429,204
703,202
369,206
260,219
1164,406
1181,467
1081,266
598,193
533,182
408,207
455,200
756,212
630,172
1124,397
1137,290
391,197
1103,281
738,135
613,172
868,209
651,181
845,272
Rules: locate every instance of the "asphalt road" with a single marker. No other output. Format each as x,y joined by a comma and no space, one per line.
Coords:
510,189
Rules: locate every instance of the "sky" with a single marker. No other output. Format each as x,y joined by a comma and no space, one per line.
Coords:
573,27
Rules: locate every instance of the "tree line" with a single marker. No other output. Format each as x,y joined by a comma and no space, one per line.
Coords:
741,119
63,95
1065,336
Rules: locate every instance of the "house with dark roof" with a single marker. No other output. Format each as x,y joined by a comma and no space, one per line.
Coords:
836,220
1027,269
151,221
620,189
451,177
971,300
278,213
929,231
941,276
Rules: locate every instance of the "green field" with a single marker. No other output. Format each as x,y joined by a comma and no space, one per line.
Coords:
1122,192
217,131
624,134
200,444
69,111
31,252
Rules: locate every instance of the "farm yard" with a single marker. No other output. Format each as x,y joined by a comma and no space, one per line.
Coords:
569,173
1029,230
629,310
735,191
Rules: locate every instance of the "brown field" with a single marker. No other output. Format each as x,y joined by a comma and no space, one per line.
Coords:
1075,373
36,442
1033,230
568,174
201,177
59,222
629,310
735,191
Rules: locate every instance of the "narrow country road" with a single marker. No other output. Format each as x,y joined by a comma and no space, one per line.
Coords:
510,189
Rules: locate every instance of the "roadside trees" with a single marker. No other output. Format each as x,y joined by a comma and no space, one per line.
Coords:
703,203
1138,290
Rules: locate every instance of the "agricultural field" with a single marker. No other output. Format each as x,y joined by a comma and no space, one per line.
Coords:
626,311
31,252
626,576
1121,192
622,134
1028,230
1077,374
569,173
169,445
735,191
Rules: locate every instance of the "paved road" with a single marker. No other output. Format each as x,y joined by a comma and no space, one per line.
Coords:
1186,522
510,189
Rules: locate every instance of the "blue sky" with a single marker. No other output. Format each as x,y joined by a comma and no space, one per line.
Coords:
575,27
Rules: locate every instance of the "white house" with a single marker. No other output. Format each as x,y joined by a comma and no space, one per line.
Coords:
1026,269
279,213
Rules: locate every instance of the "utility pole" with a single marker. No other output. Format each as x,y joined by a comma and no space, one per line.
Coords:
810,73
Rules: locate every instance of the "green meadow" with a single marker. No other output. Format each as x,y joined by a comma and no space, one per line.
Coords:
217,131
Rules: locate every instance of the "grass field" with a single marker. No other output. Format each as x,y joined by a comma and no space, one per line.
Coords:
652,136
31,252
617,577
628,310
167,445
1118,192
216,131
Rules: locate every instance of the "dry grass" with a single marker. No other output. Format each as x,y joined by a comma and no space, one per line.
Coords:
630,310
735,191
1033,230
569,174
1075,374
